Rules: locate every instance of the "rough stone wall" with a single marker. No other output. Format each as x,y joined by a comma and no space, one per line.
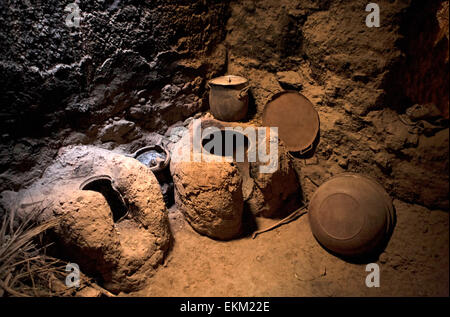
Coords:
53,74
422,74
144,62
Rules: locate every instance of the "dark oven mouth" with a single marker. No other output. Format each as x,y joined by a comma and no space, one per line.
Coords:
226,143
104,185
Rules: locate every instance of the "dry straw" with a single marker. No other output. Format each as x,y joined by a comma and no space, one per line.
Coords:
25,269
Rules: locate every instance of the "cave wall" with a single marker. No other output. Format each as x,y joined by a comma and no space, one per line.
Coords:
139,67
364,82
131,67
53,75
422,74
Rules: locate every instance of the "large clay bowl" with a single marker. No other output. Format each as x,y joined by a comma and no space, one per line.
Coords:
351,215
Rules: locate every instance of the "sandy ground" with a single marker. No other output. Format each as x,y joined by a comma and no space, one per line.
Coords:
288,261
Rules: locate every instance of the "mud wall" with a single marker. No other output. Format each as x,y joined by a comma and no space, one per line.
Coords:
363,81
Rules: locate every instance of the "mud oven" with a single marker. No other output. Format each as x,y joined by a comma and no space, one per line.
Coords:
113,219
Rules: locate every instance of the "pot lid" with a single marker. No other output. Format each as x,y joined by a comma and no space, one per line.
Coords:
295,117
228,80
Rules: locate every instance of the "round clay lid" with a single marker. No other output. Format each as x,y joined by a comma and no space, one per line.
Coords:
295,117
228,80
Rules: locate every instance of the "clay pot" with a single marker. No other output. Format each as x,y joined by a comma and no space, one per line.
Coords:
155,164
228,97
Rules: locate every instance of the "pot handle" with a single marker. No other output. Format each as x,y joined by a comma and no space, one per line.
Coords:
272,94
243,92
208,86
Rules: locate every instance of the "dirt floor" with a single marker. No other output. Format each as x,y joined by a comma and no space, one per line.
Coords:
288,261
